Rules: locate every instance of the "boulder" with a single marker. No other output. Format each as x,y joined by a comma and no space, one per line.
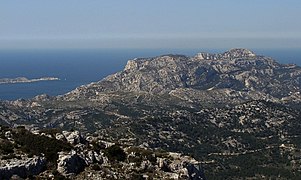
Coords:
70,163
22,167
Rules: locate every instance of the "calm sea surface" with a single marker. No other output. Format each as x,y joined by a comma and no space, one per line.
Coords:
79,67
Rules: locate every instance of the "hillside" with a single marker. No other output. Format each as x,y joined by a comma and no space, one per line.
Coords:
236,113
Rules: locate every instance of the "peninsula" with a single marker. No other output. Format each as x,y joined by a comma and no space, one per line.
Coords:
26,80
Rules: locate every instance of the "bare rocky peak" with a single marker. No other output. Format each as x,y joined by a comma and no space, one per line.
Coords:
171,60
163,61
238,53
231,54
134,64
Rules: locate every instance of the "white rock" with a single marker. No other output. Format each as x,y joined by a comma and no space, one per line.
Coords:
60,137
70,163
73,137
23,167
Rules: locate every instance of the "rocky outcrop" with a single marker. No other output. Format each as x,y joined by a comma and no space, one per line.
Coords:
70,163
73,137
231,54
238,53
22,167
91,157
176,164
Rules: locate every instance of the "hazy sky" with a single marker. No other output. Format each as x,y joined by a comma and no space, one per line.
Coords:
149,23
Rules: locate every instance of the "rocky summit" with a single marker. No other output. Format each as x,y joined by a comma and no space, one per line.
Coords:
232,115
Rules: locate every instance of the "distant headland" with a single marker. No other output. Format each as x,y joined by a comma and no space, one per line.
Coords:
26,80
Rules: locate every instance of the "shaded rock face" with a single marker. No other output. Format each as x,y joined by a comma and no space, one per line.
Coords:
23,168
195,172
237,69
70,163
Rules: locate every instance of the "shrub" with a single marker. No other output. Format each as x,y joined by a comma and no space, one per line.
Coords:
115,153
141,154
96,167
36,144
136,176
97,146
6,147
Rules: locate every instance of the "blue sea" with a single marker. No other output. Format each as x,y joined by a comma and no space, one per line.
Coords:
79,67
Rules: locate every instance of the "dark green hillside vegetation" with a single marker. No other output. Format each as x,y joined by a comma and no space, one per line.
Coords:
36,144
39,155
115,153
6,147
228,146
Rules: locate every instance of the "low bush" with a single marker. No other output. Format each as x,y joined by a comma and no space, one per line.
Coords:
115,153
36,144
6,147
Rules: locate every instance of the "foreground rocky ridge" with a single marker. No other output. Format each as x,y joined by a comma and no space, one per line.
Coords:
85,158
237,113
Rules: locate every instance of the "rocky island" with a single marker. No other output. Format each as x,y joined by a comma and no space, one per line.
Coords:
26,80
231,115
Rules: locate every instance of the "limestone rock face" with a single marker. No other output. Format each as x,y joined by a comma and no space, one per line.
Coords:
231,54
22,167
91,157
177,166
236,69
70,163
238,53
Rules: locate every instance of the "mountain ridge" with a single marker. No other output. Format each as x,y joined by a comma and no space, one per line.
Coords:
237,69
